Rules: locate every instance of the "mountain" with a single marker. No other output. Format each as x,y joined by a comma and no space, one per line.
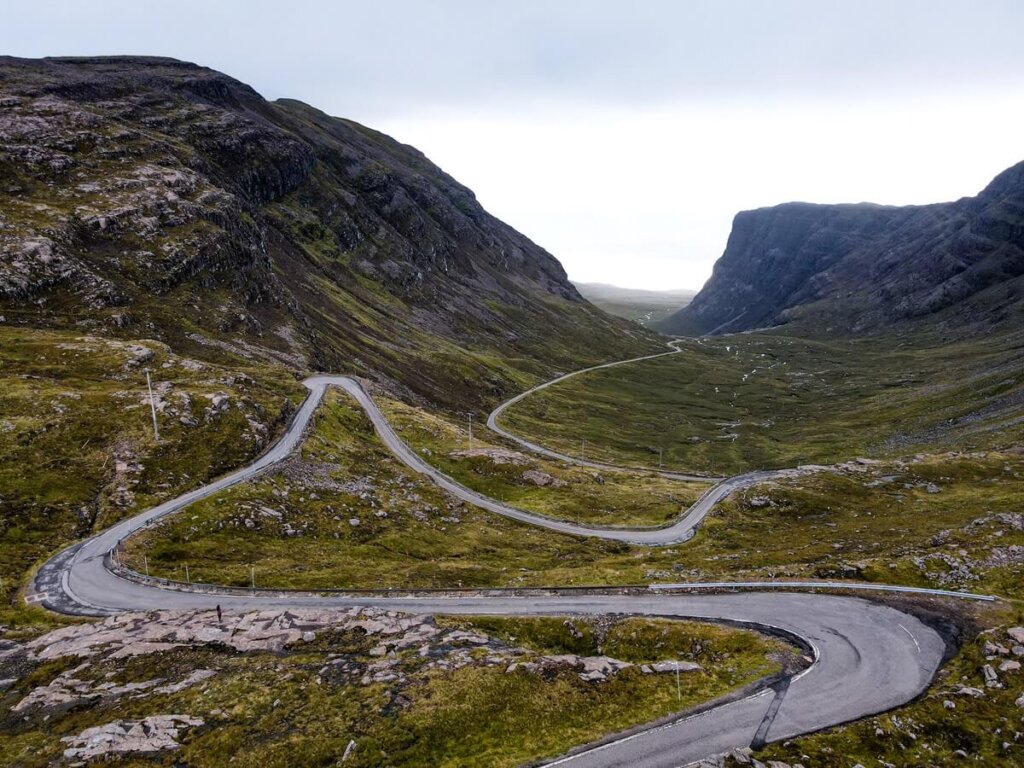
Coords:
642,306
153,198
860,268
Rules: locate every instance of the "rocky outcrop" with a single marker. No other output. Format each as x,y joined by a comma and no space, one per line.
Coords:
133,634
497,456
67,690
855,268
126,737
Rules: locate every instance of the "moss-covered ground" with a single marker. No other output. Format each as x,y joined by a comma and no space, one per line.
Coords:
297,707
731,404
344,513
347,514
77,450
603,498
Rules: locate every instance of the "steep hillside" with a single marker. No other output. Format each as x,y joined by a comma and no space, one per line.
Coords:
642,306
151,198
864,267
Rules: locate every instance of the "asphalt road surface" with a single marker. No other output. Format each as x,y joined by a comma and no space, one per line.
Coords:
868,658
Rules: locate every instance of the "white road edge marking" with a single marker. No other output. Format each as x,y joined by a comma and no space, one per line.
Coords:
911,636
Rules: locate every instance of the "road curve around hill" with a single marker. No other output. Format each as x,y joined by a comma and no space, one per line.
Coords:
680,530
492,421
868,657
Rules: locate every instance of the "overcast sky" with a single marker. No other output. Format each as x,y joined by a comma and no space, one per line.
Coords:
622,136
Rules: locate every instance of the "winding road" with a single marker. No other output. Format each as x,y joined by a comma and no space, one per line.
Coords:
868,657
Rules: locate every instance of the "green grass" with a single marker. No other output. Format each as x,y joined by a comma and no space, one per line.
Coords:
76,444
283,709
602,498
727,405
863,525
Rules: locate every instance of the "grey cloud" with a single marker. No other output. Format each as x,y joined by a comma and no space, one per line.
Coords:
369,59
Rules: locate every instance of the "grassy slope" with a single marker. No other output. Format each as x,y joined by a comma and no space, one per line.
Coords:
76,443
291,709
946,520
607,499
407,532
726,405
874,523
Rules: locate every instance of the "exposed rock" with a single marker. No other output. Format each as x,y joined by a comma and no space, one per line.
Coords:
132,634
497,456
196,677
994,649
991,679
603,664
542,479
147,736
67,690
462,636
1016,634
975,693
864,266
349,750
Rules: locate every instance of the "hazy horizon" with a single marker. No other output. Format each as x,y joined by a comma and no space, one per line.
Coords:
622,140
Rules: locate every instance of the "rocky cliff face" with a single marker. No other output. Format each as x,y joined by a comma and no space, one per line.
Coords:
155,198
862,267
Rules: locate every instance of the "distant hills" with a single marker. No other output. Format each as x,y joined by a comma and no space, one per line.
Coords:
861,268
642,306
152,198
